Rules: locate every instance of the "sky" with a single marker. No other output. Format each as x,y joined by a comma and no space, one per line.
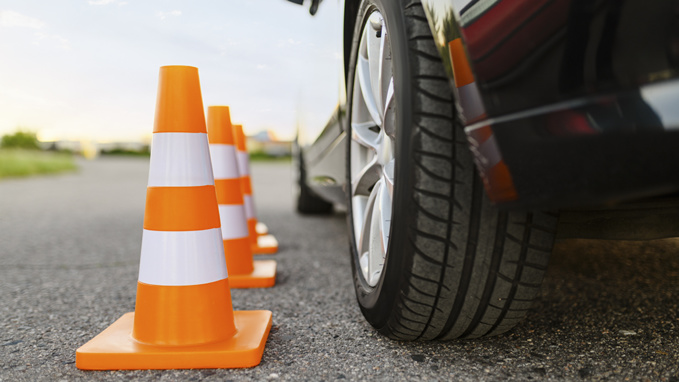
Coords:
88,69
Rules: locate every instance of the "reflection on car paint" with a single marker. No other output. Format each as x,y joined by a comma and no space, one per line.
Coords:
466,90
530,53
662,98
501,37
493,171
487,157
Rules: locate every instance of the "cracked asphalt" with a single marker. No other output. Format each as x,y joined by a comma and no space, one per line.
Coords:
69,252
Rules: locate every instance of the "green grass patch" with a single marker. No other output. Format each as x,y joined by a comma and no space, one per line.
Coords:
131,153
259,156
19,163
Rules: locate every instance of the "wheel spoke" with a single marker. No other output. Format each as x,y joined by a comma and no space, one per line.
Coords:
384,203
363,74
388,177
366,134
378,236
375,48
385,74
359,204
365,179
364,237
388,122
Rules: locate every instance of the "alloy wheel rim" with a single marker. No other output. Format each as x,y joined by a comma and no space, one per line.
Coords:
372,160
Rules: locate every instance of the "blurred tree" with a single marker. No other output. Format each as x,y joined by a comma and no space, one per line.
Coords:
21,139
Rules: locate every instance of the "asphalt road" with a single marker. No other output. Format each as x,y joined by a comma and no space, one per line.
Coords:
69,252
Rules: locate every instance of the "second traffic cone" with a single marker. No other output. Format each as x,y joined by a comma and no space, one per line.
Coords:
183,317
244,272
261,243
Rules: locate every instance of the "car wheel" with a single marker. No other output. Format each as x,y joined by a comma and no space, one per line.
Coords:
431,257
307,202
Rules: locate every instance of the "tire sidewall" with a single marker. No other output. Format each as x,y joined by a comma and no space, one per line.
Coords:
377,302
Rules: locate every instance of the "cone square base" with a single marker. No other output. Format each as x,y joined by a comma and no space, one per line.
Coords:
266,245
115,349
264,276
261,229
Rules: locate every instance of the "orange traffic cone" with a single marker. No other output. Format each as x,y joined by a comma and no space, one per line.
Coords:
183,318
244,272
262,243
261,229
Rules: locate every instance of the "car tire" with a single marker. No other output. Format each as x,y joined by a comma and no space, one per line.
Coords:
454,266
306,201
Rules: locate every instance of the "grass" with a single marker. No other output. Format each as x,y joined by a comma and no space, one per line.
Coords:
259,156
20,163
124,152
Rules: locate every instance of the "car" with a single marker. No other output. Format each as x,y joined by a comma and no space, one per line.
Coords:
465,128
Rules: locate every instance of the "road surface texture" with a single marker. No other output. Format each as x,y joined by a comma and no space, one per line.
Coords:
69,253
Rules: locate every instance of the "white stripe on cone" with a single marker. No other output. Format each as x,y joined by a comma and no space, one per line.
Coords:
182,257
249,206
470,100
489,153
233,220
180,160
243,163
222,161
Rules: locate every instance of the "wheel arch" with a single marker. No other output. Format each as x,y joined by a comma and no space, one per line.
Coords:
350,14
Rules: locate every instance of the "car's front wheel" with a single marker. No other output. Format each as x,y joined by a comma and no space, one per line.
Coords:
431,257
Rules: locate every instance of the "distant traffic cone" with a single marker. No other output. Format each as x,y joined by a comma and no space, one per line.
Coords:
261,243
244,272
183,317
261,228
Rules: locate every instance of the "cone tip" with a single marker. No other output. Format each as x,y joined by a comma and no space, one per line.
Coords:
179,106
220,129
187,67
220,109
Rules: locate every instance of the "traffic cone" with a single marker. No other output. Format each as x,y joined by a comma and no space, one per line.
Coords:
261,243
261,228
244,272
183,317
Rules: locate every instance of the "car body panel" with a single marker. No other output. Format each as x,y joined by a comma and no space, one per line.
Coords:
324,176
569,102
530,53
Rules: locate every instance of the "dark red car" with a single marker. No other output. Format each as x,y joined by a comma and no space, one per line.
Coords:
469,125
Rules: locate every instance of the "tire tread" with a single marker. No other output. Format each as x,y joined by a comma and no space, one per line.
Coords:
459,285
